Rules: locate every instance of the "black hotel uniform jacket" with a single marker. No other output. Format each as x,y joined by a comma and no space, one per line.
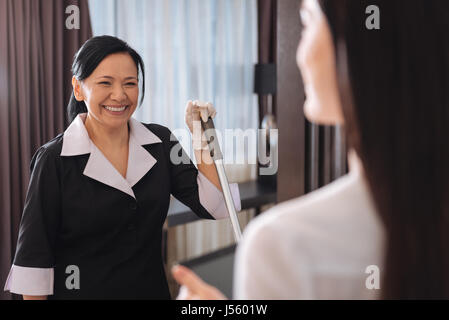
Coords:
81,212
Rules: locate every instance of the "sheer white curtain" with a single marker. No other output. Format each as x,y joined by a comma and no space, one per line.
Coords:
192,49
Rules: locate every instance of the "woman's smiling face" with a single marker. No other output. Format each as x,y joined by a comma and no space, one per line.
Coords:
111,92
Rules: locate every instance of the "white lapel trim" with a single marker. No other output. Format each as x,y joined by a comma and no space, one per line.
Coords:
76,141
140,161
99,168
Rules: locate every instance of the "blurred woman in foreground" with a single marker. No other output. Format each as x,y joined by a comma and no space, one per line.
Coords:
390,89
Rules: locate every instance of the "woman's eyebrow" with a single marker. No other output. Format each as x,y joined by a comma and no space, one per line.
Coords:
109,77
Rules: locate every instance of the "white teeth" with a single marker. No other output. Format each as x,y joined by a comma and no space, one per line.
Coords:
115,109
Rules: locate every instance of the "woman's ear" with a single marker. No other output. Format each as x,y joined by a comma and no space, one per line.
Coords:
76,84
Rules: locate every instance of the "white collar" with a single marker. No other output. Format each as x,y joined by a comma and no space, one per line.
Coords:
76,142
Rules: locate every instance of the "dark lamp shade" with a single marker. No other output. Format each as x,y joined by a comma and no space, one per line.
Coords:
265,78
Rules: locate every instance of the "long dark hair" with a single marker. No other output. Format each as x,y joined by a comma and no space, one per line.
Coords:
89,57
394,84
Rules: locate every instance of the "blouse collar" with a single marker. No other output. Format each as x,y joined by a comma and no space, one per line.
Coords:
76,142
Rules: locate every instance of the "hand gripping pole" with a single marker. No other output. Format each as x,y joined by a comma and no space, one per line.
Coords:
217,156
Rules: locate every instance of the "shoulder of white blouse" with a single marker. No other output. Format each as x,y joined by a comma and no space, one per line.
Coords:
324,209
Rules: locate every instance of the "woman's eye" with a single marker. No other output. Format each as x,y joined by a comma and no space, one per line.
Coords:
108,83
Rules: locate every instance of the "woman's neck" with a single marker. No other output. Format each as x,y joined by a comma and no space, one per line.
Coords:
354,162
104,137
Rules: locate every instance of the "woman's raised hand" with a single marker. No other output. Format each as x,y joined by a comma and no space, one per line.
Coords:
192,287
194,113
196,110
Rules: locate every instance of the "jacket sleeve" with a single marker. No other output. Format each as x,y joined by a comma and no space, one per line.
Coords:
192,188
32,269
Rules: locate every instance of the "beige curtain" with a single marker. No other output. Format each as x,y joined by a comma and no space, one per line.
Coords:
36,52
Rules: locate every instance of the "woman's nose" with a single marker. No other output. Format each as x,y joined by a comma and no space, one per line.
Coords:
118,93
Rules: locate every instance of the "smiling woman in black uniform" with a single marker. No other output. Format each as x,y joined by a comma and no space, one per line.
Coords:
99,193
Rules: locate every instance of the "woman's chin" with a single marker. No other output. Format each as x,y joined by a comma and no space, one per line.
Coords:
311,112
316,114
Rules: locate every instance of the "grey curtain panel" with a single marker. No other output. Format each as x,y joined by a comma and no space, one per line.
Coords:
327,155
36,52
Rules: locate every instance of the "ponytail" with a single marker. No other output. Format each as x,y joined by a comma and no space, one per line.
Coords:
74,108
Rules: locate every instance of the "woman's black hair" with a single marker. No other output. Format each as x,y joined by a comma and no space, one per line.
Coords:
394,87
89,56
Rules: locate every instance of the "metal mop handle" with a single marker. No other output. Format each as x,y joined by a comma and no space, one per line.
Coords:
217,156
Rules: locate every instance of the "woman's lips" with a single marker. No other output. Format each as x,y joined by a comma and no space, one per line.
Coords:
116,110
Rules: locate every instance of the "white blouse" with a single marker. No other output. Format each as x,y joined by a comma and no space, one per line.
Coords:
318,246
